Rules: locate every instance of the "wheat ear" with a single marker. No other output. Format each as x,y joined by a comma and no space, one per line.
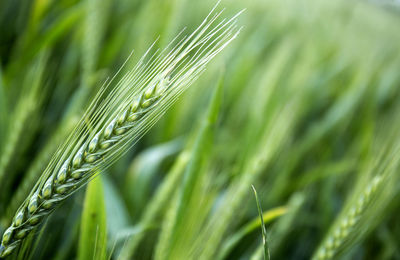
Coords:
115,121
345,226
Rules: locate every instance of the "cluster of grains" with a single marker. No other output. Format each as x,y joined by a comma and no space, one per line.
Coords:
343,229
118,117
77,168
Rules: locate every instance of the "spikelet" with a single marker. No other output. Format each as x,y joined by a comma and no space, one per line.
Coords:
338,236
117,118
364,208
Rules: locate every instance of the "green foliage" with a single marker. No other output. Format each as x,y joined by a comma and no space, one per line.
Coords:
303,104
233,241
93,234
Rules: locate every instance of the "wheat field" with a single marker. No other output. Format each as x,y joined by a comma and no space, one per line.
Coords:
183,129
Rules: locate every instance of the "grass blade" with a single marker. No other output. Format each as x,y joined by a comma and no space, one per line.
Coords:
263,230
93,234
191,179
267,216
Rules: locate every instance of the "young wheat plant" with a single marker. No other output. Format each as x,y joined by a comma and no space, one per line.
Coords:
117,118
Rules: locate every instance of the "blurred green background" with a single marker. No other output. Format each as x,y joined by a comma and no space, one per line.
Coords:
303,105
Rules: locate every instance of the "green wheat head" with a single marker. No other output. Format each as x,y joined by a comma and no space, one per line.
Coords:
119,115
347,223
364,206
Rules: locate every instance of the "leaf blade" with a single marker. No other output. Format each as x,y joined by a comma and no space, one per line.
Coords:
93,234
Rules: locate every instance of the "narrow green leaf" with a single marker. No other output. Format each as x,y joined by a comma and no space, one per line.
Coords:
264,231
268,216
191,176
115,207
93,238
26,115
142,173
199,151
3,110
96,17
157,203
53,33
